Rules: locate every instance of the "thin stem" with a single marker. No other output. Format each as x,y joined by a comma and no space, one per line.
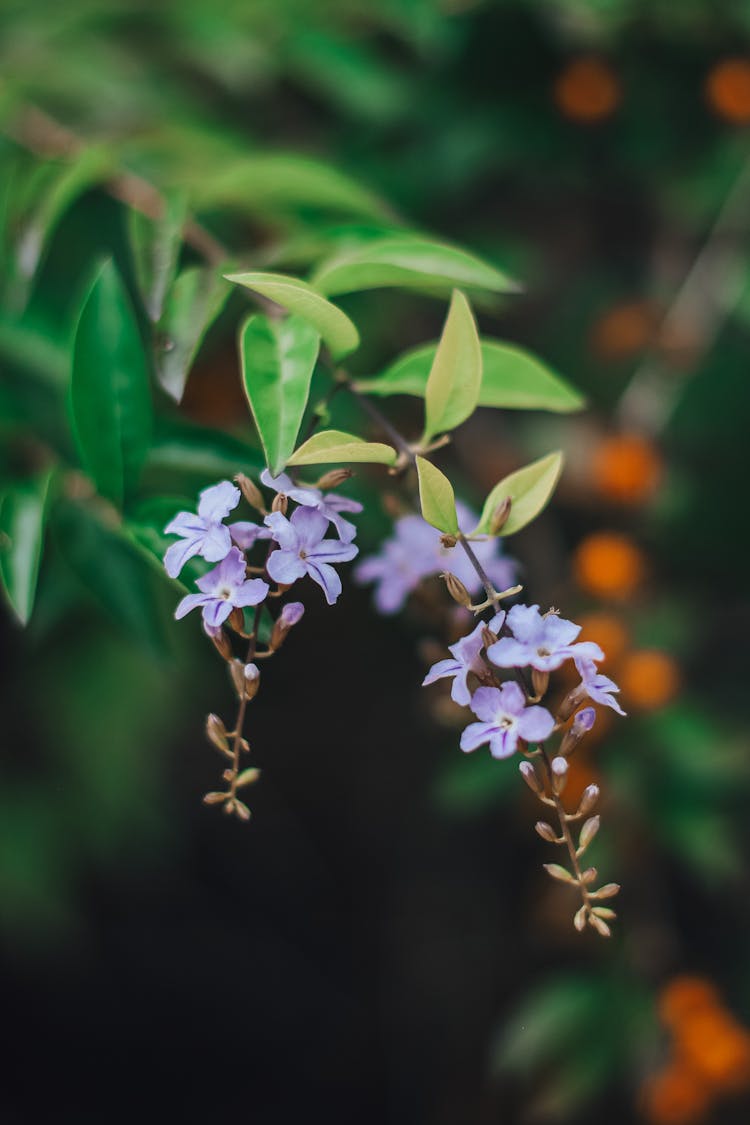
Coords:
240,721
380,419
565,829
489,589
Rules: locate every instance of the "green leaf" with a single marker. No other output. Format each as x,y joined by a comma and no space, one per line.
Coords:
436,498
187,458
512,379
278,360
529,488
335,446
279,182
22,519
110,399
298,297
192,305
408,263
456,373
156,249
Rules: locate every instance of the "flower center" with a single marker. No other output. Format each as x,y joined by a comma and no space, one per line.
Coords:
224,592
506,722
543,652
303,554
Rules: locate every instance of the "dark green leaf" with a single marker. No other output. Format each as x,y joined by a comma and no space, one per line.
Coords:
156,249
192,304
278,360
110,397
22,519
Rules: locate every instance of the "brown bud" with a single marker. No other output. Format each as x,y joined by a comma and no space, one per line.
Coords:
488,637
251,492
214,798
559,771
222,645
599,925
569,704
588,800
589,830
456,589
539,682
251,676
448,541
216,733
240,810
609,890
558,872
247,777
581,918
334,478
236,620
237,675
546,831
603,912
500,516
589,875
280,503
530,776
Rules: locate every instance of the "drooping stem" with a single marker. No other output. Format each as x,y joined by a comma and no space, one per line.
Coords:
565,832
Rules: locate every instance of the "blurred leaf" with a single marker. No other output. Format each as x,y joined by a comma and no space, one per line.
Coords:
529,488
279,181
472,783
156,246
22,519
408,263
110,397
298,297
278,359
188,457
334,446
512,379
456,371
436,498
192,304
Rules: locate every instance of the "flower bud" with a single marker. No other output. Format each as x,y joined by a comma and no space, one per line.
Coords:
290,615
247,777
539,682
220,641
237,676
599,925
581,918
530,776
558,872
559,769
609,890
251,492
500,516
546,831
236,620
589,875
588,800
456,589
569,704
589,830
334,478
448,541
214,798
251,673
582,723
280,503
216,734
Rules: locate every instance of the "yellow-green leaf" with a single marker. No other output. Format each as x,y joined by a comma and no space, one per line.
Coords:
436,498
456,373
335,446
338,331
529,489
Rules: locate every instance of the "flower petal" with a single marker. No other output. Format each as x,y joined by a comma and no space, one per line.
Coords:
217,502
475,735
486,702
333,550
282,531
440,670
285,567
526,623
310,526
186,524
504,743
178,554
508,653
251,592
512,698
216,611
217,543
535,724
245,533
190,602
327,578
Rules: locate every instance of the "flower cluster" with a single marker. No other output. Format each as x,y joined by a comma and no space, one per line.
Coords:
296,546
511,718
415,551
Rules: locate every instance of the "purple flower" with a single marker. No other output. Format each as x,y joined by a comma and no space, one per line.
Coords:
303,550
466,659
414,552
203,534
540,642
223,589
598,687
245,534
504,719
584,720
329,504
291,614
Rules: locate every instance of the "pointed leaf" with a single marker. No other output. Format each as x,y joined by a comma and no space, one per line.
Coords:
335,446
278,360
156,249
298,297
436,498
192,304
512,379
408,263
456,372
110,399
22,519
529,489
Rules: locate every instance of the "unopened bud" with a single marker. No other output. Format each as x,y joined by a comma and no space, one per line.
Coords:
236,620
589,875
589,830
609,890
546,831
581,918
500,516
559,768
582,724
588,800
599,925
539,682
214,798
457,590
572,700
290,615
280,503
237,676
488,637
216,733
530,776
251,673
448,541
251,492
334,478
247,777
240,810
558,872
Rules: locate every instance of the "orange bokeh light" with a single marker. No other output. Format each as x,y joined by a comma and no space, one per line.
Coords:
609,565
624,330
648,679
728,90
587,90
626,469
